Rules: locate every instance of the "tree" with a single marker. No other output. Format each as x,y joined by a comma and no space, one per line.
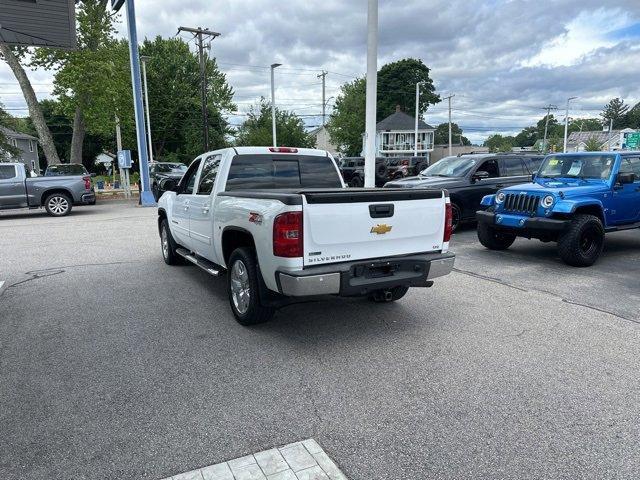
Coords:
46,140
397,86
256,129
347,121
527,137
585,125
592,145
615,110
442,135
633,117
500,143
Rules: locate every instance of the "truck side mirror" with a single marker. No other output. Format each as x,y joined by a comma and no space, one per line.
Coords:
168,185
625,178
480,175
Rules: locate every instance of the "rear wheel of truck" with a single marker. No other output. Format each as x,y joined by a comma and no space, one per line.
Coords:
58,204
391,295
494,239
243,281
582,243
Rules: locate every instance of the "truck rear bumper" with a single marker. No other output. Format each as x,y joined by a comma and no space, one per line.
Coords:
359,278
88,198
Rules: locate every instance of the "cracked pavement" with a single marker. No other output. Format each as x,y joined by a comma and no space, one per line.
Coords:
118,366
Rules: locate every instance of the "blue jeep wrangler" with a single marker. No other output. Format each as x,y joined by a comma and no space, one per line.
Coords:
575,198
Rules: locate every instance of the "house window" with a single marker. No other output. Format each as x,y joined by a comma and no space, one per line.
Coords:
31,145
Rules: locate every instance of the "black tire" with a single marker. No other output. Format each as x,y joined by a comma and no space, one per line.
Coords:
493,238
396,294
382,173
243,288
155,192
58,204
356,182
168,245
456,216
582,243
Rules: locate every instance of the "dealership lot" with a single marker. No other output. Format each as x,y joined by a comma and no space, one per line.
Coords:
114,365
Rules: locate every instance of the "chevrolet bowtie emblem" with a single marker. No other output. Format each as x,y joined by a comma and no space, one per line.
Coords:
381,229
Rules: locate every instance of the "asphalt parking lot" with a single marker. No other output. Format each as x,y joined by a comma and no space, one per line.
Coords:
115,365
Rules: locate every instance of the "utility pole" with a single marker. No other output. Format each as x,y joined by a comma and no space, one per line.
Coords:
450,140
273,103
372,87
415,143
610,133
144,59
324,102
199,34
124,173
566,125
548,108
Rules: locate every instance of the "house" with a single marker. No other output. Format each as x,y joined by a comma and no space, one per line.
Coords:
323,142
614,140
395,136
28,146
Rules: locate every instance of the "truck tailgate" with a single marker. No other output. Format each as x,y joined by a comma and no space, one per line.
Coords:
355,224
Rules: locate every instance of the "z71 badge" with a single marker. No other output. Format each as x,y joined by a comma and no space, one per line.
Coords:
381,229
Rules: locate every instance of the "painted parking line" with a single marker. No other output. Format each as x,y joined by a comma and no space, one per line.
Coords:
305,460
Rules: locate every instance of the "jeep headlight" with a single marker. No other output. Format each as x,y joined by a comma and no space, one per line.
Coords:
500,197
547,201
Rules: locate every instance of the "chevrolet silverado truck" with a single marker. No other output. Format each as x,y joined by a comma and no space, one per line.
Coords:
574,200
57,194
283,226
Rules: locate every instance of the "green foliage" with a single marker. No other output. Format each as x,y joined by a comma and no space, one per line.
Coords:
592,145
7,151
500,143
615,110
442,135
397,86
256,130
347,121
527,137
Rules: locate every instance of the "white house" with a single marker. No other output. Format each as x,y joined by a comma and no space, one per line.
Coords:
395,136
323,142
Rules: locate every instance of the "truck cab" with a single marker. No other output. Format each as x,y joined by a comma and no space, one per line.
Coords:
574,200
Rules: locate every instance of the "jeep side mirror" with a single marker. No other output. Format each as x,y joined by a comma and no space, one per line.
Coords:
533,177
480,175
625,178
168,185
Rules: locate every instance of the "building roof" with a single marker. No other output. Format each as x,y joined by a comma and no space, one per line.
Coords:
401,121
17,135
576,138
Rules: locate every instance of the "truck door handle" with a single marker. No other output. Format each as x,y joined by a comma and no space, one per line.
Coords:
205,209
381,211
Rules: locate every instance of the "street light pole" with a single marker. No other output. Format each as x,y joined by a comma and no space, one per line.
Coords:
273,103
144,59
372,81
415,147
566,124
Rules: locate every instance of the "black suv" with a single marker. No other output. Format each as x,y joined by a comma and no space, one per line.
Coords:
161,170
468,178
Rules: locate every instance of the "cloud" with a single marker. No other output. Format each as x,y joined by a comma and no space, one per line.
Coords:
504,59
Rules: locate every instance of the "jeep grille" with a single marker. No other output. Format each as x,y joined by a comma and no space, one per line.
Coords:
521,203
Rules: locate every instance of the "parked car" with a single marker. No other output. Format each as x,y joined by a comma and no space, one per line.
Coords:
57,194
275,219
161,170
62,169
352,171
468,178
574,200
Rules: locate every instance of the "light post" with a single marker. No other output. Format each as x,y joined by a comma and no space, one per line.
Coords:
372,86
273,103
144,59
415,148
566,124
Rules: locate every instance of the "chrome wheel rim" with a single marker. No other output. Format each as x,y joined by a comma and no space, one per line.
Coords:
240,289
58,205
164,239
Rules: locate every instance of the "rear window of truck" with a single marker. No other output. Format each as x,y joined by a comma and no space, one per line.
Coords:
281,171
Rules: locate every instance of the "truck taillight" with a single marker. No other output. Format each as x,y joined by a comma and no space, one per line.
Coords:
448,222
287,235
87,183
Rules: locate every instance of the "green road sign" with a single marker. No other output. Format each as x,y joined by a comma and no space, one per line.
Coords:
633,140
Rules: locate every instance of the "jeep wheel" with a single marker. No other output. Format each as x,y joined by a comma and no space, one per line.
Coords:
493,238
582,243
244,289
356,182
58,204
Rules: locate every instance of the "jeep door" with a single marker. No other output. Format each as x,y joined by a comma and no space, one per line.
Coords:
12,188
201,208
626,197
182,204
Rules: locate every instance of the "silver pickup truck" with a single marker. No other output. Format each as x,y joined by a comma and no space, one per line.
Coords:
56,194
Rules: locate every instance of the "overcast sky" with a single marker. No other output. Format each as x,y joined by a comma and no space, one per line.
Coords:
503,60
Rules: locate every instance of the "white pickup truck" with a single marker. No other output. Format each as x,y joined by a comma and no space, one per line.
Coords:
284,227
